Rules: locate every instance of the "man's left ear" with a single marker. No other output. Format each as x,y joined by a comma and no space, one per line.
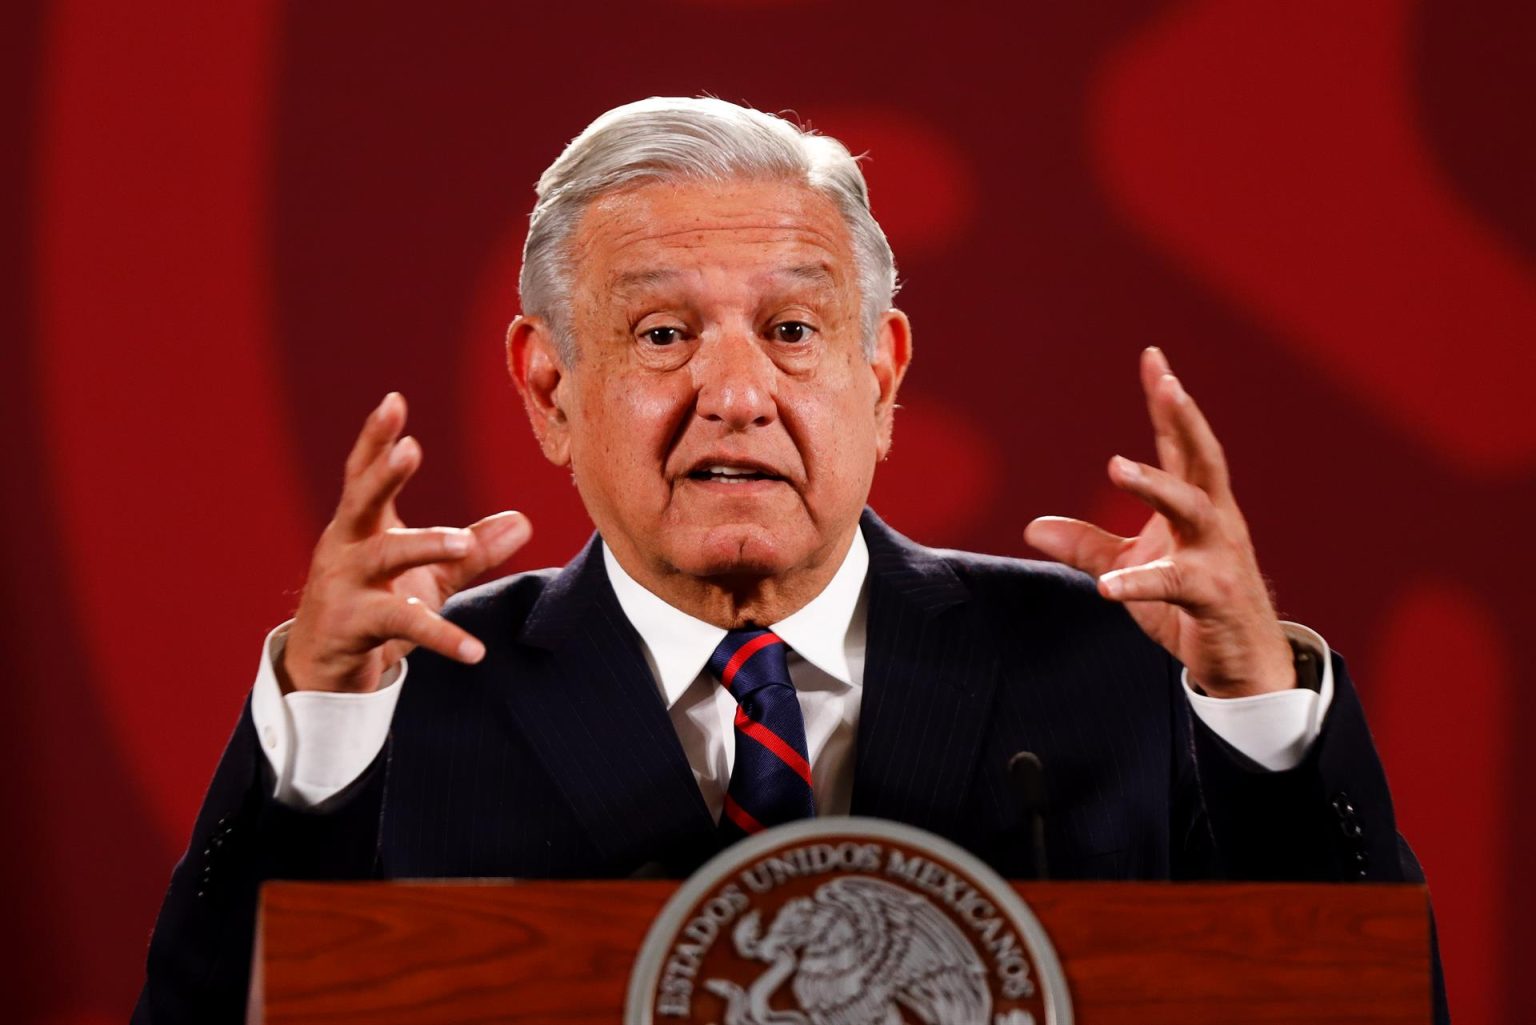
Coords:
893,352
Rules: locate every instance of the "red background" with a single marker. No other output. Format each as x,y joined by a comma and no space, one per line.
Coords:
236,226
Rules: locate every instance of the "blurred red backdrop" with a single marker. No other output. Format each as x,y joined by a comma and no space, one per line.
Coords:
237,226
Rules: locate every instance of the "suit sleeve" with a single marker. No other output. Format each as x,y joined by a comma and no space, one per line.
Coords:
200,952
1328,818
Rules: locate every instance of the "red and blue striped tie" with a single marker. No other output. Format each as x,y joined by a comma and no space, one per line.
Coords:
771,778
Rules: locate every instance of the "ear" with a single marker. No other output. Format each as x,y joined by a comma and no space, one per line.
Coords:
893,352
540,375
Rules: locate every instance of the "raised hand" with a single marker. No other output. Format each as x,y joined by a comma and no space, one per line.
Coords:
1190,578
375,586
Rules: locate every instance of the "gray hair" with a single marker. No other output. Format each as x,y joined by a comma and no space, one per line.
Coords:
705,139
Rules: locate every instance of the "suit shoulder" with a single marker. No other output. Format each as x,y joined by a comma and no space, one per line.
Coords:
994,575
1052,597
1055,615
505,599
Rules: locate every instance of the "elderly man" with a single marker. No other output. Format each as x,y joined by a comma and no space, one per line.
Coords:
708,345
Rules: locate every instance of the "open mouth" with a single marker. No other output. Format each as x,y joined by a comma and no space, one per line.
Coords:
731,474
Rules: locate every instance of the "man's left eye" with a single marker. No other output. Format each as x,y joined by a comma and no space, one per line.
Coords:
662,335
792,331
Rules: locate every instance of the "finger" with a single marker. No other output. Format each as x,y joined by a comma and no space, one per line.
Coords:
388,554
1158,580
379,432
1186,507
410,620
1076,543
367,498
1187,446
495,538
1154,366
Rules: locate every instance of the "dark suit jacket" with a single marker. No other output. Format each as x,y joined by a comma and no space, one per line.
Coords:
555,758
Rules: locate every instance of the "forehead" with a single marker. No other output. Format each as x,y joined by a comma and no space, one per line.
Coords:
659,233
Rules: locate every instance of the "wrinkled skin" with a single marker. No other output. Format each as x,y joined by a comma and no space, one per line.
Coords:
717,326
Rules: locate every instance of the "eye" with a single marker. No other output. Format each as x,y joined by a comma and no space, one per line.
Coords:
792,331
662,335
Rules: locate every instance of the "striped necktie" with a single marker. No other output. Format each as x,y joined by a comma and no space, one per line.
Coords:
771,777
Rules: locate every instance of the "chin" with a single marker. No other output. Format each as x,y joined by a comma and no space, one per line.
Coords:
738,550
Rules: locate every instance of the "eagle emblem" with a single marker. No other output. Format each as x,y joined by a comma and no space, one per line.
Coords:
846,921
858,951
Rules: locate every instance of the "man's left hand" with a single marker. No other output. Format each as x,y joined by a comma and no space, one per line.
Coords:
1190,578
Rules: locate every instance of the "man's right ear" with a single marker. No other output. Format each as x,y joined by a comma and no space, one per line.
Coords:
540,375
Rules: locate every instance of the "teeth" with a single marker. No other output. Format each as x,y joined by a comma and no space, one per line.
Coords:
723,474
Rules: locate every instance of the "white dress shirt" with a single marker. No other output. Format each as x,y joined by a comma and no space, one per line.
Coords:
826,663
319,742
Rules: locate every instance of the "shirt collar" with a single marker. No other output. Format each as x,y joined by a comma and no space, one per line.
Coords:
678,646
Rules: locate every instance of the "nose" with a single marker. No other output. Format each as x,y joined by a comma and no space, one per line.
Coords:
735,381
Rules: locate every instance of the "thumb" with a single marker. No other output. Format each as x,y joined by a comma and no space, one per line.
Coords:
496,538
1076,543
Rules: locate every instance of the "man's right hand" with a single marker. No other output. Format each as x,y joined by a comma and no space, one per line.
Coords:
375,586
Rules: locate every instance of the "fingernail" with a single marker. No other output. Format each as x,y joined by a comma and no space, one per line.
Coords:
509,525
401,453
456,543
1127,469
1112,584
471,651
1175,388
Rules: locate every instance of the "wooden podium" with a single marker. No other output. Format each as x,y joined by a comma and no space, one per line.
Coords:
541,952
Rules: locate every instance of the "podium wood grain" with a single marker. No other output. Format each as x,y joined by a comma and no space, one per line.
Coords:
435,953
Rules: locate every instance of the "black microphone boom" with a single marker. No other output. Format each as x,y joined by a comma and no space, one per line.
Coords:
1027,775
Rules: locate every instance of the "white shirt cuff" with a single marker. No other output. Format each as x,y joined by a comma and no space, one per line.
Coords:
1277,729
318,742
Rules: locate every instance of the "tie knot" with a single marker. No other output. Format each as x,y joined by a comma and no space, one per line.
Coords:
748,660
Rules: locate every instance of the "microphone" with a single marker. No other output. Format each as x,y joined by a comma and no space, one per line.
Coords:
1027,775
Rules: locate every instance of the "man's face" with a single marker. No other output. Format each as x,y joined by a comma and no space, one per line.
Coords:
721,417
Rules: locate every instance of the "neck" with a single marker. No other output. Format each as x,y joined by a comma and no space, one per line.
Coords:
733,601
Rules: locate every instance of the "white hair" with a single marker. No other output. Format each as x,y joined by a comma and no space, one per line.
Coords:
705,139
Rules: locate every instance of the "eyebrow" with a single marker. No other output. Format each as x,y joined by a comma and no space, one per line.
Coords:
814,273
637,280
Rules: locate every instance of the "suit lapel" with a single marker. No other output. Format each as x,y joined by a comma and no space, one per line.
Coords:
591,710
929,675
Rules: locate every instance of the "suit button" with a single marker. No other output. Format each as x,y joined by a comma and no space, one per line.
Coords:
1351,828
1342,806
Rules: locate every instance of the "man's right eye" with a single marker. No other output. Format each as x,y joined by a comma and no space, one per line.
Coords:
662,335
